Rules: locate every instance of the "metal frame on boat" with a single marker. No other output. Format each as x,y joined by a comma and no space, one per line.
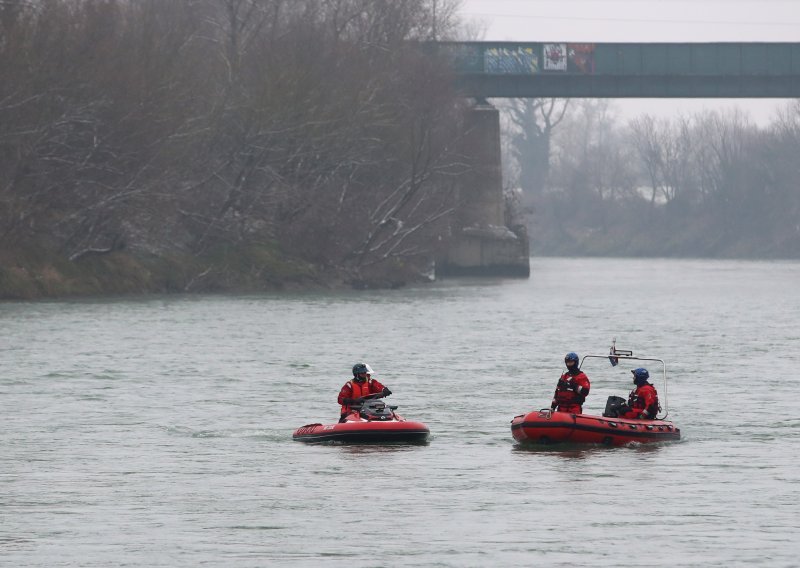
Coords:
615,355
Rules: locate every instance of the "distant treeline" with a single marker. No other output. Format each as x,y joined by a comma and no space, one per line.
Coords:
220,144
707,185
246,144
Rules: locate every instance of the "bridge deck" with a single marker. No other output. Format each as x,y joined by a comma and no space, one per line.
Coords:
721,70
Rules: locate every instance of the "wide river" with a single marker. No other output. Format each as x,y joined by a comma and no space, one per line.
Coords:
157,431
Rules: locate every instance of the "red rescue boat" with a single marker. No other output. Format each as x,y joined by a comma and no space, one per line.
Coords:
374,422
550,427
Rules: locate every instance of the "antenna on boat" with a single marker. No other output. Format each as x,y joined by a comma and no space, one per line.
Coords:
614,354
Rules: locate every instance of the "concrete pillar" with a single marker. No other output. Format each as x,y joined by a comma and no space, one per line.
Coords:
480,244
482,203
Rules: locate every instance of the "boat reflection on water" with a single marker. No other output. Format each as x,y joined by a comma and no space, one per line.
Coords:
583,451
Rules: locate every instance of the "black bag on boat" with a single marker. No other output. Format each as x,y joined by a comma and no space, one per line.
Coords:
615,405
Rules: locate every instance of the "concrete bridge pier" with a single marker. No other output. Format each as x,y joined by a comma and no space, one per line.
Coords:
480,243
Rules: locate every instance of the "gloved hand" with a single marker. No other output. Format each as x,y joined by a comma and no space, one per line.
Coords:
386,391
563,384
553,406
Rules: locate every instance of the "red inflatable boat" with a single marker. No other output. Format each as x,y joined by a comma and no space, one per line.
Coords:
549,427
373,423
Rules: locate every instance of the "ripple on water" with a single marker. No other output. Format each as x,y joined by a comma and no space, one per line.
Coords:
167,441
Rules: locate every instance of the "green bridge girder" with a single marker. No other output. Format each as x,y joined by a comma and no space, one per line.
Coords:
620,70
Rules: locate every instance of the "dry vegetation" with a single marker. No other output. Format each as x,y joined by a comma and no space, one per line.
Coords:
220,144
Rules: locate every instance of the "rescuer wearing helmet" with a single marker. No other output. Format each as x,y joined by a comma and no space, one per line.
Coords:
360,386
573,387
643,400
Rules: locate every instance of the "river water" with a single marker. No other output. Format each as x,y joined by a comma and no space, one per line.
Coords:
156,431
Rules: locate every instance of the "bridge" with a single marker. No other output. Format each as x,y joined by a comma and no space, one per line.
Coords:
480,242
619,70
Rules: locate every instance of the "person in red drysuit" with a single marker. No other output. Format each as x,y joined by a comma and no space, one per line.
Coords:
573,387
643,400
362,385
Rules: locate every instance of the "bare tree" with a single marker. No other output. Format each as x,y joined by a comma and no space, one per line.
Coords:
214,125
531,124
666,150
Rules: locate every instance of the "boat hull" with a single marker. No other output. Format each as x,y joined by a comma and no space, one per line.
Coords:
364,432
546,427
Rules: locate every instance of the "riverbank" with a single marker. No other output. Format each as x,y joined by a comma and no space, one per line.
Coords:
34,274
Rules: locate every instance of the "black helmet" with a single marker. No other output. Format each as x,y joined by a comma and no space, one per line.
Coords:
359,368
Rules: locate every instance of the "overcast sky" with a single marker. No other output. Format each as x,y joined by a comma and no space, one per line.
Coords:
645,21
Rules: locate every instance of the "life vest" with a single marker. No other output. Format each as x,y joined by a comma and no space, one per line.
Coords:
637,400
359,390
567,400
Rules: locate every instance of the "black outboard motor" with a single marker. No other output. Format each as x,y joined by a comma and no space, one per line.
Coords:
376,410
615,405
